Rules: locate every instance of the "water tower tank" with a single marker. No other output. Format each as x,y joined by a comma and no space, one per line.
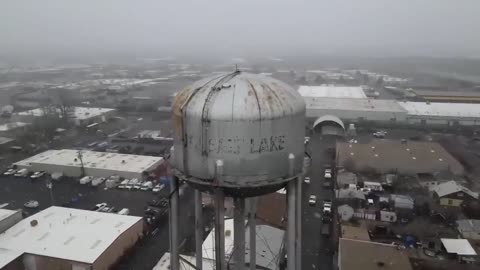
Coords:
251,122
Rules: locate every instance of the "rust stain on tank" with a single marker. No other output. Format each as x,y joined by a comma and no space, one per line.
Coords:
177,117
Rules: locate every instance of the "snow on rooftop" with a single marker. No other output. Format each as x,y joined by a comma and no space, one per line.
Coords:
332,91
92,159
354,104
268,244
11,126
66,233
458,246
7,256
80,113
442,109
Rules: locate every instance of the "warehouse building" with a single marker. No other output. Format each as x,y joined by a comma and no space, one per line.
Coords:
389,156
449,114
331,91
8,218
64,238
81,116
13,129
322,111
98,164
444,96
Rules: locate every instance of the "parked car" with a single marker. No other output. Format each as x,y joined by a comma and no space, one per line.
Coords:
138,185
328,174
131,183
21,173
85,180
10,172
325,229
157,188
98,181
327,184
37,175
100,206
31,204
123,184
379,134
307,180
327,207
124,211
146,186
312,200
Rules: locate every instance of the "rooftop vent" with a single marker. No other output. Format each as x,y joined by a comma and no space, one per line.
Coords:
33,223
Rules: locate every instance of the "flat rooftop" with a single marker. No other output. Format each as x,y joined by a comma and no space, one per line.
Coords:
79,113
7,256
12,126
355,254
447,93
354,104
4,140
5,213
332,91
435,109
357,233
66,233
94,160
387,155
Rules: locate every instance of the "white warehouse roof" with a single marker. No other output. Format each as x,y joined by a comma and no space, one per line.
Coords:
332,91
12,126
80,113
268,244
458,246
70,234
92,161
354,104
7,256
434,109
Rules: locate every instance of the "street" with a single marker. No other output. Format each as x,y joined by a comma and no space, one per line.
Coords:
316,250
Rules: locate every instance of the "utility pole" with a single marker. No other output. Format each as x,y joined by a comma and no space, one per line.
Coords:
80,158
50,188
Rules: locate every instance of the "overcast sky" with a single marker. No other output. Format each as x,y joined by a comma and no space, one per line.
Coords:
400,28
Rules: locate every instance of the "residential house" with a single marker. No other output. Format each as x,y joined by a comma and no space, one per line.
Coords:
461,249
345,179
373,186
402,201
469,228
353,197
452,194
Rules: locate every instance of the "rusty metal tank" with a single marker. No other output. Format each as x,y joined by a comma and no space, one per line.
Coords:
248,121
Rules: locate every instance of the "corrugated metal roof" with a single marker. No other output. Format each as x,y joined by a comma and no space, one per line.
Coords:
458,246
451,187
332,91
436,109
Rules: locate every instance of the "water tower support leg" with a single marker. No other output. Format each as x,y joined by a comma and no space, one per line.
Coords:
252,223
198,230
174,252
298,226
239,233
291,205
219,230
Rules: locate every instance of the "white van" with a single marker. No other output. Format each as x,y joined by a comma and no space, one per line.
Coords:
124,212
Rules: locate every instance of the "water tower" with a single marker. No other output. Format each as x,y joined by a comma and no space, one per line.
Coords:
239,135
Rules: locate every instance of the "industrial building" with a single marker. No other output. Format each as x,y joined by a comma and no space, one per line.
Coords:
65,238
331,91
269,243
81,116
13,129
385,156
8,218
98,164
444,96
449,114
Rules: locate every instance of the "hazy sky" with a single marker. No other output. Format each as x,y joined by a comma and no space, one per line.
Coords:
401,27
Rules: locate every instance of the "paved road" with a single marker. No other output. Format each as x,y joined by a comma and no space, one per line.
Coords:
314,255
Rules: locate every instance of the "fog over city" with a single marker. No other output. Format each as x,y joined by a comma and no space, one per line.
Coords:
437,28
